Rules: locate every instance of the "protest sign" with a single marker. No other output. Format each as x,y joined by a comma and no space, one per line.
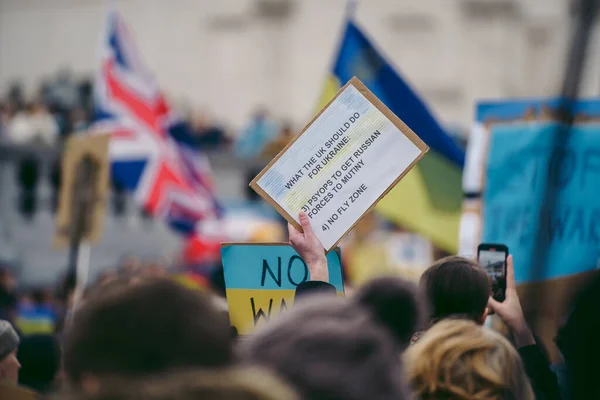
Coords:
517,162
341,164
84,189
261,280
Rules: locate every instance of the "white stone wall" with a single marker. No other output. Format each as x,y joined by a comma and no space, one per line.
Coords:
224,56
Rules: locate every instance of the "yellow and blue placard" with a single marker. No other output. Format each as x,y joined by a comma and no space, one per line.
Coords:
261,280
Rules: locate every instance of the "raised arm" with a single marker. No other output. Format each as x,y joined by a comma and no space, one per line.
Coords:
311,250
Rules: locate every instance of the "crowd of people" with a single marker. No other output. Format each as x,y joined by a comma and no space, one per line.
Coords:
38,315
143,332
61,106
64,105
146,336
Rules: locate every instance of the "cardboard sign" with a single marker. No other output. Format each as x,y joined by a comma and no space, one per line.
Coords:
84,189
341,164
261,280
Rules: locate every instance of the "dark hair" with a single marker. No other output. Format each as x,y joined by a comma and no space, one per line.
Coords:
146,328
331,348
455,287
395,304
38,296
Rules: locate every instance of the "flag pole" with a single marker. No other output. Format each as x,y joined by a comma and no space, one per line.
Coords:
351,6
586,12
349,13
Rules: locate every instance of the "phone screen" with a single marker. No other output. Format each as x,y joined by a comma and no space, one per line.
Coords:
494,262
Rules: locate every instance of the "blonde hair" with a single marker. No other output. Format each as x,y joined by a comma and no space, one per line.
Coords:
231,384
460,360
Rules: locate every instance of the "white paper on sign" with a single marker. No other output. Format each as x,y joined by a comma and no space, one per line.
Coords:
340,166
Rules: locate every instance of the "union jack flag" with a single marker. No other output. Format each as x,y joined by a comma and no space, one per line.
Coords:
169,179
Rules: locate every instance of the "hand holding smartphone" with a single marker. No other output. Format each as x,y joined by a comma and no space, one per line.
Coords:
492,257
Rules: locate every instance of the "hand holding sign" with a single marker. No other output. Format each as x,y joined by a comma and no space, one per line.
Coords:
345,160
310,249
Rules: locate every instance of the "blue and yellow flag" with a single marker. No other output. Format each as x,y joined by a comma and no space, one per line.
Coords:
429,199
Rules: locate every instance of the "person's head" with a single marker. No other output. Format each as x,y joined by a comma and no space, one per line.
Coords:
8,112
8,282
238,384
9,344
335,348
396,304
260,114
456,287
8,296
458,359
143,328
8,305
78,115
39,107
41,296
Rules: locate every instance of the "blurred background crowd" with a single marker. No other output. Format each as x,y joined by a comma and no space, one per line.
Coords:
243,103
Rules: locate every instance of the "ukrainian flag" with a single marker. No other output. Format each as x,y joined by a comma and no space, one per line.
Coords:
429,199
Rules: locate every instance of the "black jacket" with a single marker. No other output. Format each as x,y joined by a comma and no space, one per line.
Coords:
543,379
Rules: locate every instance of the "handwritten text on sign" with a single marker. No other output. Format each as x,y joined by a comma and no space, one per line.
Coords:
261,281
342,164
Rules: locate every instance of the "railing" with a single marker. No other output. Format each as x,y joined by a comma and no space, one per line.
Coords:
26,244
230,172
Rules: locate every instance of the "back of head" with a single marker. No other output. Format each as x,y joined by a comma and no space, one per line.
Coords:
458,359
143,329
456,286
242,384
331,348
395,304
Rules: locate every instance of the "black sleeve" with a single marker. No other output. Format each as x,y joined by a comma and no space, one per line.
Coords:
543,380
309,288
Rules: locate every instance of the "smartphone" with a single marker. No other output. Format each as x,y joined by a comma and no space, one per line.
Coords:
492,257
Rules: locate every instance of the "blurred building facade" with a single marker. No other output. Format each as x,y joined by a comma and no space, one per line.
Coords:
231,56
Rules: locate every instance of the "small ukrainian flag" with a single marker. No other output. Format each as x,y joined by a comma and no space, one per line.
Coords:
429,199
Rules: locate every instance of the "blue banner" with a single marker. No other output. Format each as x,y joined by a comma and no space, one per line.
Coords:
520,163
